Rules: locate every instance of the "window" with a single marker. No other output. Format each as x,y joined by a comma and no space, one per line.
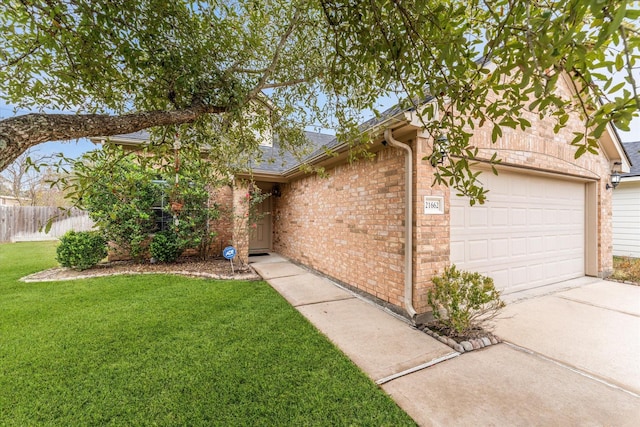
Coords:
162,217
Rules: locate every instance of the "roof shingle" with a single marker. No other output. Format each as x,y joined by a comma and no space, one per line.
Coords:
633,151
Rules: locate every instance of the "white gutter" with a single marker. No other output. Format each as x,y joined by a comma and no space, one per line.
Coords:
408,223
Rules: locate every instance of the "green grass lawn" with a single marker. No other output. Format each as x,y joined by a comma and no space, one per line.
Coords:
168,350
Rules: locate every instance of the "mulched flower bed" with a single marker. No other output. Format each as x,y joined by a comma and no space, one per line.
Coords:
216,268
474,340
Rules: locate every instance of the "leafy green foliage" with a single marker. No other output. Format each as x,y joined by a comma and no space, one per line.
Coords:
164,247
122,191
81,250
119,192
168,350
481,63
321,63
197,178
461,300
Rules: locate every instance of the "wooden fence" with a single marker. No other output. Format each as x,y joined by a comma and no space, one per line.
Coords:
26,223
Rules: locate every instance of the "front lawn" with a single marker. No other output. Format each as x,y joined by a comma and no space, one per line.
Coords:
168,350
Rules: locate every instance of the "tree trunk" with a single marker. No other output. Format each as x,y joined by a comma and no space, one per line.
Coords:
17,134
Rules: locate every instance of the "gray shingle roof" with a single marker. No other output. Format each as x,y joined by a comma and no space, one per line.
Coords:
633,151
276,160
331,142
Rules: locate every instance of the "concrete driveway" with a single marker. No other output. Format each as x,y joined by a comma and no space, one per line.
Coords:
594,328
570,357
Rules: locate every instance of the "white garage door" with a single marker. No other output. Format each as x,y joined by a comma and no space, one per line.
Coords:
529,233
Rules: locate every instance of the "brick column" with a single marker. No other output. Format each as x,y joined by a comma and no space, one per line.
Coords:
431,231
240,217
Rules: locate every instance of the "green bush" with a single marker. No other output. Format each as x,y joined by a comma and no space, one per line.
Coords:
81,250
462,301
165,247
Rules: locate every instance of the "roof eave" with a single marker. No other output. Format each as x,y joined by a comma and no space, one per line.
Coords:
612,147
262,175
403,119
131,142
630,178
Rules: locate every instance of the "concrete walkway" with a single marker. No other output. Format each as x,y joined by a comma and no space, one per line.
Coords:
521,382
380,344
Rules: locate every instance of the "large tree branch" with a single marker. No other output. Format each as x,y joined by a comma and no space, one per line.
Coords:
17,134
284,84
268,72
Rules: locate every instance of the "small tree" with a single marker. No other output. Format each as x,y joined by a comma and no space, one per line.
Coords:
193,179
192,224
26,179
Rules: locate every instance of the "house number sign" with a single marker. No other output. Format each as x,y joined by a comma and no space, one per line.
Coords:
433,205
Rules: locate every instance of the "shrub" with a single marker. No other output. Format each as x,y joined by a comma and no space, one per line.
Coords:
81,250
119,193
128,198
462,301
165,247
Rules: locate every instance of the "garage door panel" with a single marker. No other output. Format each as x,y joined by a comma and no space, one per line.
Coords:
518,246
499,276
519,276
535,246
550,216
478,250
518,216
534,216
535,274
458,250
500,249
500,217
529,233
457,216
479,217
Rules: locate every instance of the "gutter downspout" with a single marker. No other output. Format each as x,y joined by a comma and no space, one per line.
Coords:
408,223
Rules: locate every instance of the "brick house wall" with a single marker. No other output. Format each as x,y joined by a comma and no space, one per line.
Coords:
223,226
240,220
348,225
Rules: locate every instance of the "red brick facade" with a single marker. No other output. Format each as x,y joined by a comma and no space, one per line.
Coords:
349,225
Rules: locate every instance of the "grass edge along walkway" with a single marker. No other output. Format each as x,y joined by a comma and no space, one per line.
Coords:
168,350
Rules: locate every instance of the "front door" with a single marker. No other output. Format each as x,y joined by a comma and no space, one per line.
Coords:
260,233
